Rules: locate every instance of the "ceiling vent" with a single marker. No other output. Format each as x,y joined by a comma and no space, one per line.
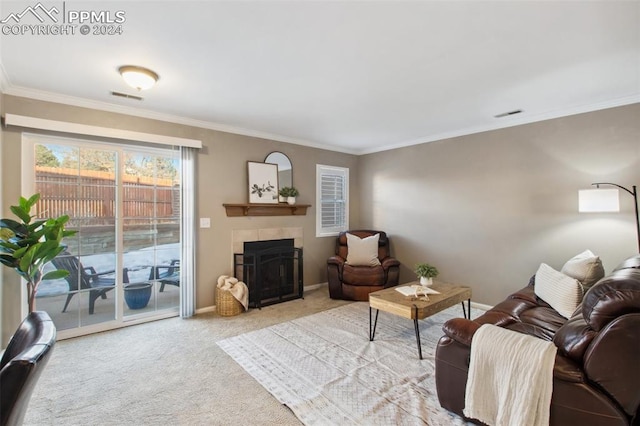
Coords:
126,96
506,114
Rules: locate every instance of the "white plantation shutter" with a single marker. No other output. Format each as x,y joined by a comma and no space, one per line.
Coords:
332,211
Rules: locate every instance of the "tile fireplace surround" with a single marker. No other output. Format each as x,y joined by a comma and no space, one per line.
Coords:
240,236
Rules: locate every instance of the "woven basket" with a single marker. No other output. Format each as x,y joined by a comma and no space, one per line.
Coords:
226,304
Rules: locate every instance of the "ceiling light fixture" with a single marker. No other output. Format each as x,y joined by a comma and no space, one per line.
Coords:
138,77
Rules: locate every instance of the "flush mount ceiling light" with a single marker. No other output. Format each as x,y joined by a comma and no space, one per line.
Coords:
138,77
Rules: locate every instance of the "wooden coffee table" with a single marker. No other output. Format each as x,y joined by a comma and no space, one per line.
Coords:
392,301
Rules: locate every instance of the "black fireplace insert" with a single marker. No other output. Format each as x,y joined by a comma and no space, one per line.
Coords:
272,270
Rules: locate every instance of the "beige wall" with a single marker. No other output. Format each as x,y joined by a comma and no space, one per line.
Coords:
221,178
487,209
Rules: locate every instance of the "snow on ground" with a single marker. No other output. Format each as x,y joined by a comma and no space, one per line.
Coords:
138,263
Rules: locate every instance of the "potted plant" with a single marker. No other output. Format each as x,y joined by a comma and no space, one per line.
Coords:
27,246
426,273
290,193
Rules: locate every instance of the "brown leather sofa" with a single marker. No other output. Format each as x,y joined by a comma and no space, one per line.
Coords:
596,378
356,282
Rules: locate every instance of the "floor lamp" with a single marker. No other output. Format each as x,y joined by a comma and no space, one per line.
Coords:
607,200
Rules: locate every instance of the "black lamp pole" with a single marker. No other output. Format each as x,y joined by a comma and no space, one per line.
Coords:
634,193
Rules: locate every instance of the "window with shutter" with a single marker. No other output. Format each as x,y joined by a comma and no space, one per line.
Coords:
332,191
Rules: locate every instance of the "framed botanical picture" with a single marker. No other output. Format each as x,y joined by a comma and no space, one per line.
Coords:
263,182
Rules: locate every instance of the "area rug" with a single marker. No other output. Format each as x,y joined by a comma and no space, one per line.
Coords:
325,369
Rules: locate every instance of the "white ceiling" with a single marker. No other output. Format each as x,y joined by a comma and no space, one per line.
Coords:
357,76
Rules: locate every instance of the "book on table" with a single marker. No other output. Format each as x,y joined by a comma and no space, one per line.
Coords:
412,290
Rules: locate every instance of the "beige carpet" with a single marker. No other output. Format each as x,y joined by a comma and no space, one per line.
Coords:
168,372
326,370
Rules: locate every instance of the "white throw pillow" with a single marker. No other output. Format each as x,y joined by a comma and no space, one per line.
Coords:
560,291
362,251
585,267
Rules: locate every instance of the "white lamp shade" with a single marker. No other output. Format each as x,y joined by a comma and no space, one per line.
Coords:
598,200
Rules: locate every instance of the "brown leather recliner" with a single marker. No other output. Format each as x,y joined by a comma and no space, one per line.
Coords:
596,377
356,282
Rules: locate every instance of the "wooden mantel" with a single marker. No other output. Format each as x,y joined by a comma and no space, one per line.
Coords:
280,209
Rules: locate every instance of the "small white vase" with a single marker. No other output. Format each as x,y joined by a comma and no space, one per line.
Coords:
426,281
291,200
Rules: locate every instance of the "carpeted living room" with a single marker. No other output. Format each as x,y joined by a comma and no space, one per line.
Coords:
368,138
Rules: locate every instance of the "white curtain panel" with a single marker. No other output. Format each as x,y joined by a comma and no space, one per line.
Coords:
188,234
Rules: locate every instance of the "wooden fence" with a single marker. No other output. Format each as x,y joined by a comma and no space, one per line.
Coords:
89,197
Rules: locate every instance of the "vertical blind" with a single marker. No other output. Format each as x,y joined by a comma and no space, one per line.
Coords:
188,234
333,199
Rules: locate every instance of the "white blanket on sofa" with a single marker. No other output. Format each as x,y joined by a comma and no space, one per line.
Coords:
510,378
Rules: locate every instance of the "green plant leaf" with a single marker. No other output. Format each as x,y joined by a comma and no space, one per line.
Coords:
47,251
24,204
18,254
6,234
15,227
10,246
9,261
57,274
33,200
35,225
27,259
21,213
52,254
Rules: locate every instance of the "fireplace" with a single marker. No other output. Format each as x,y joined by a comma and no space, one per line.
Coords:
272,270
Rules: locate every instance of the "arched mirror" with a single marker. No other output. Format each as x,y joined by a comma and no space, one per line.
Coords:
285,170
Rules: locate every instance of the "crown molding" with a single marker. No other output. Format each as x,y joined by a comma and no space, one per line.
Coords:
154,115
501,123
512,121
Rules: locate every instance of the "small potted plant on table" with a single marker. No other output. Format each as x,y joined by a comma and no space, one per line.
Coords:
426,273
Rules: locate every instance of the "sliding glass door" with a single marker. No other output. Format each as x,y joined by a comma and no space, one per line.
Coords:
124,201
151,231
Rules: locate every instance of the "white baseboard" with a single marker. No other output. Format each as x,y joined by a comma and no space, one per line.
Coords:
317,286
208,309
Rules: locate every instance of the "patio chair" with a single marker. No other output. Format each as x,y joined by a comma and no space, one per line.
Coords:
87,277
166,274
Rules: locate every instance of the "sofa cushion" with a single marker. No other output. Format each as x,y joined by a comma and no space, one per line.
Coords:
617,294
545,319
359,275
585,267
632,262
560,291
362,251
574,337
